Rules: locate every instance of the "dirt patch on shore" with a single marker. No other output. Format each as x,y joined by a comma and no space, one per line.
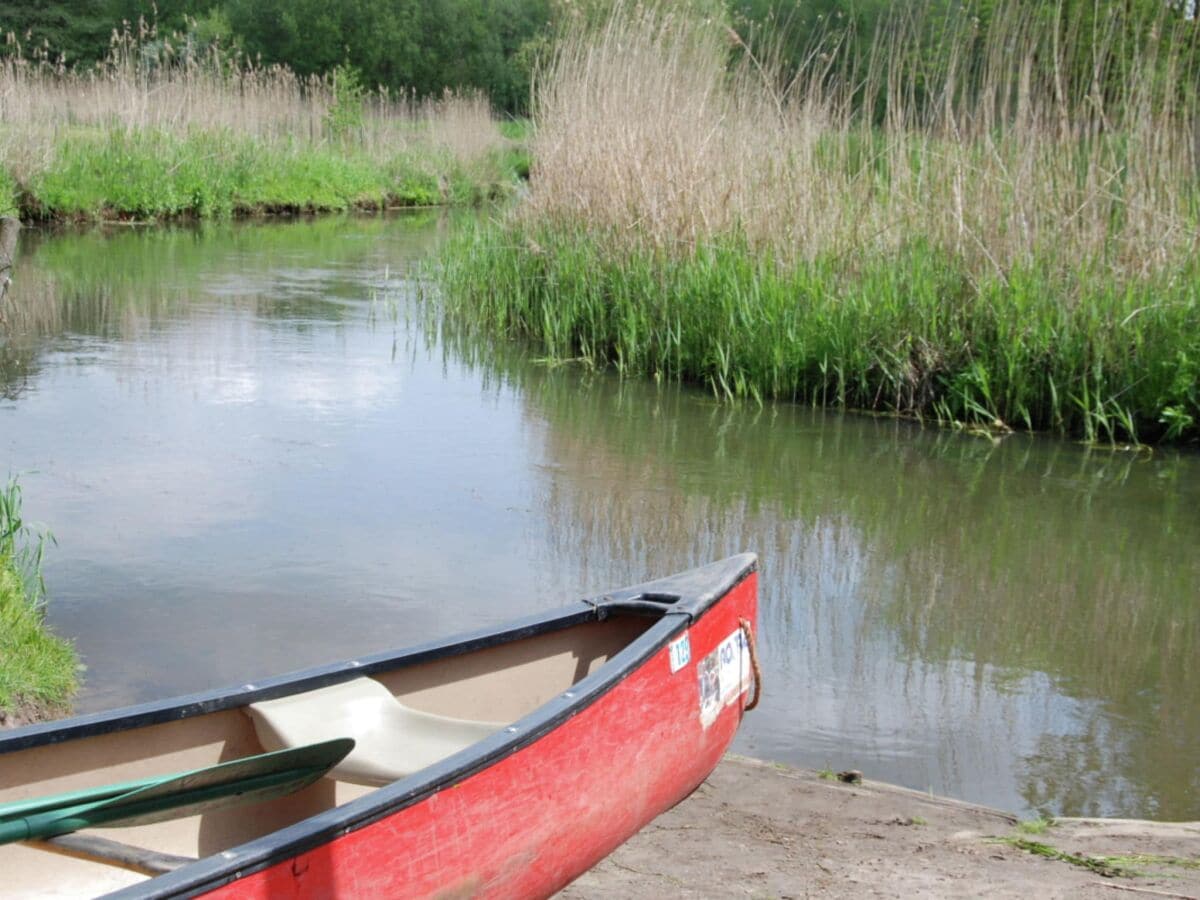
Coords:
29,714
758,830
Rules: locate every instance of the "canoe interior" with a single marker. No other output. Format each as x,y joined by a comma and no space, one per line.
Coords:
500,683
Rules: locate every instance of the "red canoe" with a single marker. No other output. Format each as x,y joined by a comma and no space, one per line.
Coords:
503,763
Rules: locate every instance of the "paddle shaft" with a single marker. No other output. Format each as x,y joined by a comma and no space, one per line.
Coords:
74,798
112,811
254,778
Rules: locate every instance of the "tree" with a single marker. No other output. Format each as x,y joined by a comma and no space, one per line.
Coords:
76,31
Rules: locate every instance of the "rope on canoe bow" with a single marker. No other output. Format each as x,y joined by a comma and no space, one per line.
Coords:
748,632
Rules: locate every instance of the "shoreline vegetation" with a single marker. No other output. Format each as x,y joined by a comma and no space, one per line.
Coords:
996,229
159,132
38,670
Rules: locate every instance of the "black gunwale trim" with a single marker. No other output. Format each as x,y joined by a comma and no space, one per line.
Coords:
683,598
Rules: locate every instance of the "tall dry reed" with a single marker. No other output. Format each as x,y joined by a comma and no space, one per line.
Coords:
993,154
146,82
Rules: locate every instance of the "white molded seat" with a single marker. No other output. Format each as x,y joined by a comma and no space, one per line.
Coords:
391,740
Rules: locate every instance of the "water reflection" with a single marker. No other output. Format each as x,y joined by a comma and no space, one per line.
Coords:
123,285
257,452
1013,623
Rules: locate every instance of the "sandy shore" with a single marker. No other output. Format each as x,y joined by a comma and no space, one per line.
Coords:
759,830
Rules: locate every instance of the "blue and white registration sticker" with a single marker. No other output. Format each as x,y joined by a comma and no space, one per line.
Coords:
681,652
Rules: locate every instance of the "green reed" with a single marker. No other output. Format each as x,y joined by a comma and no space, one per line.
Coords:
913,332
38,671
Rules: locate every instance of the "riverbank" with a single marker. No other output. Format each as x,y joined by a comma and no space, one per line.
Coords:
153,175
762,830
1012,258
156,133
38,670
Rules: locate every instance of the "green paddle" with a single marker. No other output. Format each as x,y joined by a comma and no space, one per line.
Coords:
248,780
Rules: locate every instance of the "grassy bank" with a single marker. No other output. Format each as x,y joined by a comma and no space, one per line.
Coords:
155,174
155,135
986,244
38,671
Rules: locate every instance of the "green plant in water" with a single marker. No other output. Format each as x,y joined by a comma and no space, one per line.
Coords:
1182,396
1177,421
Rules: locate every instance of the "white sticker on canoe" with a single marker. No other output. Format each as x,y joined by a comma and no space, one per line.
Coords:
709,672
681,652
724,674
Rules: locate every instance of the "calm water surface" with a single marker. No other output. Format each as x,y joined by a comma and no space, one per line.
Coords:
255,457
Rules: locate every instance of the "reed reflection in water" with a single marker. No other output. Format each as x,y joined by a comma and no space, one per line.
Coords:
1012,623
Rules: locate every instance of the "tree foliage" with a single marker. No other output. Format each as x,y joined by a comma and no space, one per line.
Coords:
73,30
426,46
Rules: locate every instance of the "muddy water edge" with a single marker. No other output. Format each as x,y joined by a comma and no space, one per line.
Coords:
256,452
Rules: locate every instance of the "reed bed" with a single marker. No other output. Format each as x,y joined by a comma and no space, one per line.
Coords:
990,239
159,130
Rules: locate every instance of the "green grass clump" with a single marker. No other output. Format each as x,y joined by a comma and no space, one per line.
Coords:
8,194
309,178
38,671
1035,826
518,130
518,157
149,174
911,333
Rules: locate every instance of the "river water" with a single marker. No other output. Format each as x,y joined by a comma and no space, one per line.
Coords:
255,454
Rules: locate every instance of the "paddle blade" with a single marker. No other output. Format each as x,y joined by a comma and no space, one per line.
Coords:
251,780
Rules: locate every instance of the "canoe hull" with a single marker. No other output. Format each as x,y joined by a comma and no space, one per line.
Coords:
533,821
